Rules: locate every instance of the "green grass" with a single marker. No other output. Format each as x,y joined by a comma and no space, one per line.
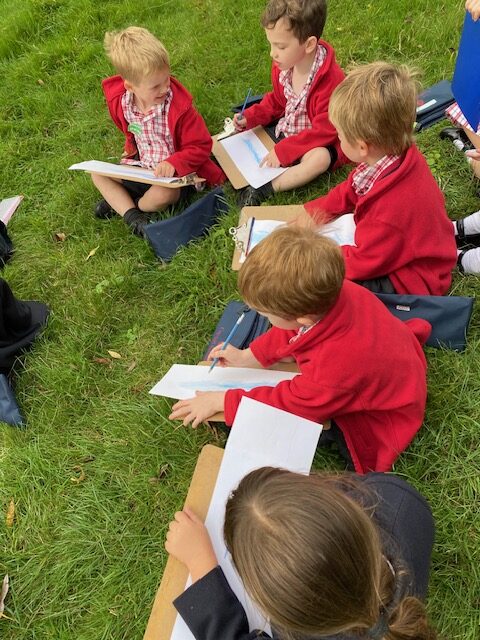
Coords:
86,558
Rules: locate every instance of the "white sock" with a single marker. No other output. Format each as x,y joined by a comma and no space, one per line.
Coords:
455,230
471,261
471,223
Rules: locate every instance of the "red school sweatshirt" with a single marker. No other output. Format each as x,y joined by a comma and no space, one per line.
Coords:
322,133
191,139
359,366
402,227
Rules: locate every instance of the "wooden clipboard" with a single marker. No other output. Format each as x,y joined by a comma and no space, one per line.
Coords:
163,615
284,213
178,183
235,176
279,366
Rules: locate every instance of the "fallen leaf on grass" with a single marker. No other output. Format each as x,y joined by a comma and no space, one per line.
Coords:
40,82
102,360
114,354
59,236
3,594
92,253
87,459
10,517
132,366
81,473
162,473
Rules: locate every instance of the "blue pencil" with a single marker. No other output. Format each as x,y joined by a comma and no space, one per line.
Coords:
245,103
229,337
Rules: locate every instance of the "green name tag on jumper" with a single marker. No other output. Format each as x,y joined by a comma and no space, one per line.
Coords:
135,128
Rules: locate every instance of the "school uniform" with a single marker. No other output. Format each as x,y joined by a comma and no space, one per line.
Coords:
402,228
188,135
360,366
319,131
405,524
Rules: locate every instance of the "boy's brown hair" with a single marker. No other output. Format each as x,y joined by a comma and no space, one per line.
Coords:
377,103
135,53
306,17
311,558
291,273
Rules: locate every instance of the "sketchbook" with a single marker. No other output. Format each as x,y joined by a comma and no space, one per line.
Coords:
128,172
261,436
8,208
240,155
183,380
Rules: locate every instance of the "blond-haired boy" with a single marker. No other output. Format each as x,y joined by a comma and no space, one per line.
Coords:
162,129
404,241
304,74
346,345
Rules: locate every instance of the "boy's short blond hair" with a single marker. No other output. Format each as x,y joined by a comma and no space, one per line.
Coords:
135,53
376,103
306,17
291,273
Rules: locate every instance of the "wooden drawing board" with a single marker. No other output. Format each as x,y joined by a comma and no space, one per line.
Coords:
279,366
285,213
230,168
162,617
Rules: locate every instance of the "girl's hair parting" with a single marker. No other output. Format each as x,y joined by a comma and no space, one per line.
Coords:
311,558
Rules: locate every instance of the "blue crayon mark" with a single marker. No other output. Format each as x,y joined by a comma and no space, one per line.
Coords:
224,386
252,150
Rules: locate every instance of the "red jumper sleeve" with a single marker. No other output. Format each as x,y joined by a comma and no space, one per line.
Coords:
339,200
192,141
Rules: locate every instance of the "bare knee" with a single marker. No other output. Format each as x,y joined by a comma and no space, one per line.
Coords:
319,157
157,198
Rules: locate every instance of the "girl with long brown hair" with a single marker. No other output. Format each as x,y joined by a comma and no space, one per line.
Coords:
320,556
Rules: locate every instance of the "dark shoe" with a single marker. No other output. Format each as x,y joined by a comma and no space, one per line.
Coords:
250,197
459,260
463,240
103,210
137,220
458,137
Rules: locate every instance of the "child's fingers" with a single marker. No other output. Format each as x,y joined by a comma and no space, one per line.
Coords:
192,515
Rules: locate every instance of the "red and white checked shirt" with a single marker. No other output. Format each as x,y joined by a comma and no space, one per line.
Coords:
455,114
296,117
365,175
152,135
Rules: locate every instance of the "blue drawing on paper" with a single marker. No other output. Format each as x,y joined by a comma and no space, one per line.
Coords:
224,386
252,150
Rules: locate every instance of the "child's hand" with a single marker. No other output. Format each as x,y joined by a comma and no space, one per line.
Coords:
271,160
196,410
239,122
474,154
189,542
164,170
473,7
233,357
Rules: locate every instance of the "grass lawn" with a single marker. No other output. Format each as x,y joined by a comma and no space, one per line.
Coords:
85,558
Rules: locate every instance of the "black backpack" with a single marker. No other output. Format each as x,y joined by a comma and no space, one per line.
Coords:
6,245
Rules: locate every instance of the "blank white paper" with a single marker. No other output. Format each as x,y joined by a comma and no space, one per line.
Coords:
260,436
121,170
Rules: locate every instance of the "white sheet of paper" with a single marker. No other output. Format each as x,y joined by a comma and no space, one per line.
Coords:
261,229
247,151
261,436
121,170
182,380
8,208
341,230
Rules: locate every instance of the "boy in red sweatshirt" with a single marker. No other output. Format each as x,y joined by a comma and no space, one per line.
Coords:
404,241
163,131
304,74
359,365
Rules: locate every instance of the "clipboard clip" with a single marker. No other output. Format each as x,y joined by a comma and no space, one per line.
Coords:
228,129
189,179
241,235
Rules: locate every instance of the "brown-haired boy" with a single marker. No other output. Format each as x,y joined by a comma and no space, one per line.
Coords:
404,241
304,74
359,365
162,129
